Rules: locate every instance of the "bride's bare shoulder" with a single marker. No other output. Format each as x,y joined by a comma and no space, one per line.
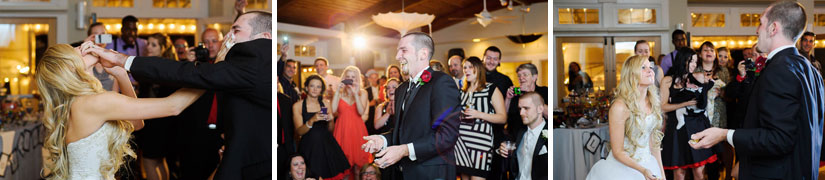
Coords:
88,105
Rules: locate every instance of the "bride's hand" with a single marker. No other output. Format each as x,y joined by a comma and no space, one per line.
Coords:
649,175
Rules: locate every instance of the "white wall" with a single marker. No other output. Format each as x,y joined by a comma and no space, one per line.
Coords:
460,35
336,45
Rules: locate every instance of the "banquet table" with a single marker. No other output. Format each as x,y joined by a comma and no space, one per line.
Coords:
22,150
576,150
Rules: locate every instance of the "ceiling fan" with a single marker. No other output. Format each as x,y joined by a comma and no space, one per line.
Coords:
485,18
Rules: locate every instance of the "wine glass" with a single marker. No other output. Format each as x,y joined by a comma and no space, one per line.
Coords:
511,147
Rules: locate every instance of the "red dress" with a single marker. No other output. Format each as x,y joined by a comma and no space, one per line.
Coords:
349,132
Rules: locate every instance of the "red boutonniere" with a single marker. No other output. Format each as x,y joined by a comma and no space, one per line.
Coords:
425,78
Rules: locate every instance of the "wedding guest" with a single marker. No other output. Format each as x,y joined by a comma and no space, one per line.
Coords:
155,138
373,91
679,41
370,172
686,95
492,60
528,75
181,47
384,116
313,127
725,64
108,81
382,82
436,65
482,105
716,109
529,159
393,71
642,48
298,168
129,43
321,67
724,74
212,40
454,58
578,79
350,106
806,48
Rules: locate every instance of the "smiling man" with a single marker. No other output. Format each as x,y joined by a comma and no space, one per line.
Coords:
421,143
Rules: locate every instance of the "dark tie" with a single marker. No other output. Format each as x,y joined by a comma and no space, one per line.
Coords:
406,96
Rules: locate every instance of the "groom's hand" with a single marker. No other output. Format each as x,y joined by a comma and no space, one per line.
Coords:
391,155
108,58
374,144
708,138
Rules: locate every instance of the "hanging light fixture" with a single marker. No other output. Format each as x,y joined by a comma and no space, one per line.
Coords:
403,21
523,38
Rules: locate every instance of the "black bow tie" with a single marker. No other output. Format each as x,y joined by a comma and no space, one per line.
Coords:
127,46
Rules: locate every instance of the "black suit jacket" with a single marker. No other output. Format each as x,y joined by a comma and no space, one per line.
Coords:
419,123
539,165
782,131
245,106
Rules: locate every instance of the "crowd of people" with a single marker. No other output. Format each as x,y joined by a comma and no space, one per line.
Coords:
327,125
772,100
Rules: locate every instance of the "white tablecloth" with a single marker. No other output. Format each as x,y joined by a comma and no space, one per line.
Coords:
571,157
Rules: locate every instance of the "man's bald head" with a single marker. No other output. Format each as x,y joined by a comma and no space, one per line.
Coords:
212,39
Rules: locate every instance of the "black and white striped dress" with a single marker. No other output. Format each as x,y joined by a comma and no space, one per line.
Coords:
474,148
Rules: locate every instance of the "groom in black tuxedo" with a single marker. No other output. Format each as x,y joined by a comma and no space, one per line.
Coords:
421,143
782,132
244,84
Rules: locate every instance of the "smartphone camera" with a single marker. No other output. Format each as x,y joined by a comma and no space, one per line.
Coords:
347,81
517,90
103,39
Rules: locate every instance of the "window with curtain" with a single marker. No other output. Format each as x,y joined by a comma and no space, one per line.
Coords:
578,16
637,16
113,3
749,19
707,19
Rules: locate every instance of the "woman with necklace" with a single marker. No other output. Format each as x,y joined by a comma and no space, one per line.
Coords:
684,101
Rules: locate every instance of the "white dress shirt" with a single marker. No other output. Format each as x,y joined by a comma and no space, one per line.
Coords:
730,132
525,152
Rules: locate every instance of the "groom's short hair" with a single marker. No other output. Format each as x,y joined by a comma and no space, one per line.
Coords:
791,15
534,96
422,40
261,23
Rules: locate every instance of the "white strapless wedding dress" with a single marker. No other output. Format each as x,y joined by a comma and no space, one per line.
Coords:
611,168
86,155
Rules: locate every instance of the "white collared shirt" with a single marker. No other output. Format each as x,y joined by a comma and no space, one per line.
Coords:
778,49
730,132
525,152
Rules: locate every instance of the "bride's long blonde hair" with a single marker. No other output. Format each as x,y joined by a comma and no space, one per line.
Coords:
61,77
628,92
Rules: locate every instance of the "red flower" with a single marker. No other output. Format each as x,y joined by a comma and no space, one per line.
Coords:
426,76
